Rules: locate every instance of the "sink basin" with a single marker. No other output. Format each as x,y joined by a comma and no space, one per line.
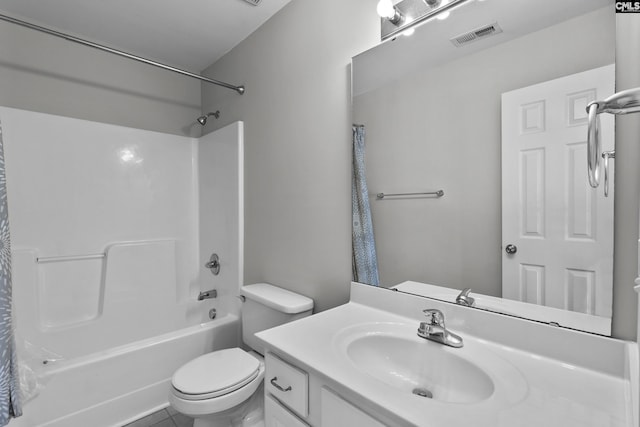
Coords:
391,355
421,367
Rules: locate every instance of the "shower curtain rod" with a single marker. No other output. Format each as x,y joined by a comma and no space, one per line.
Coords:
239,89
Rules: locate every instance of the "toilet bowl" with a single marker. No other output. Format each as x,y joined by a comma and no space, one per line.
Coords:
224,388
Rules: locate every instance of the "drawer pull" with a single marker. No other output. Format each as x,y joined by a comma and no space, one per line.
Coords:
278,386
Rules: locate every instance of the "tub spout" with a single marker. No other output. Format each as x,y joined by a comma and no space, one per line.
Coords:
207,294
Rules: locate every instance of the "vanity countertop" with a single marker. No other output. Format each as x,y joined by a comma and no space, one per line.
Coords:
530,389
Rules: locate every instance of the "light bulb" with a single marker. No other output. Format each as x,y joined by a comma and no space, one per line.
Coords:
385,9
409,32
443,15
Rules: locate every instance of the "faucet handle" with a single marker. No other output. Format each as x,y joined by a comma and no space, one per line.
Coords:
434,316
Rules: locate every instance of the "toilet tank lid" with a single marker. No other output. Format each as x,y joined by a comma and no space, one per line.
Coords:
277,298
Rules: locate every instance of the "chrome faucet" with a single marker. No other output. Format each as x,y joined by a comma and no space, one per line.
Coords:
433,329
464,298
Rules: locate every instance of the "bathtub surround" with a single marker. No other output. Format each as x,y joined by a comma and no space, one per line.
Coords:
10,401
107,253
220,182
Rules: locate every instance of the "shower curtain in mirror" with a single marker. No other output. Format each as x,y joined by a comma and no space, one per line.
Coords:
365,262
9,379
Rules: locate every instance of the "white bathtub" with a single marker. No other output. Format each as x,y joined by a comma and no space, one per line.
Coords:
115,387
108,256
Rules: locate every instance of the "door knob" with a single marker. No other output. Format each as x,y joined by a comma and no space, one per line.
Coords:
511,249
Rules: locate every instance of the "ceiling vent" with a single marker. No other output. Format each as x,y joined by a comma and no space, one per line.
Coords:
253,2
477,34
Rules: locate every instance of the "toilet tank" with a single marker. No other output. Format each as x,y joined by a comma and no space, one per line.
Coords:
266,306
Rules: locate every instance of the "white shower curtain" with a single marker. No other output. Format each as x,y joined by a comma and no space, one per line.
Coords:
9,379
365,263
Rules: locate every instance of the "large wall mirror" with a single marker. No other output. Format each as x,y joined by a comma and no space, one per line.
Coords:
498,125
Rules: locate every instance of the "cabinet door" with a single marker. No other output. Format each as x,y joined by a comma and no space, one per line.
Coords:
288,384
275,415
337,412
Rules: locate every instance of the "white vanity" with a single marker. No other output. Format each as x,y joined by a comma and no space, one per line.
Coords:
362,364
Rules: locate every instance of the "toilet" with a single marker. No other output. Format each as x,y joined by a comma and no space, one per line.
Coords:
224,388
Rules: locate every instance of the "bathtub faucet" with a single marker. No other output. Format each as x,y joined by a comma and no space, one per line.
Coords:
207,294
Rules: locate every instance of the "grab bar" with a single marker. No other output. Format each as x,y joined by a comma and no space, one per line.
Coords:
44,260
438,193
623,102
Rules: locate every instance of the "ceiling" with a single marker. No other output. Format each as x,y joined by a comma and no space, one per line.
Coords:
189,34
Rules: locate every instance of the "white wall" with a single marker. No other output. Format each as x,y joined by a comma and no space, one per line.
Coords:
43,73
298,153
297,142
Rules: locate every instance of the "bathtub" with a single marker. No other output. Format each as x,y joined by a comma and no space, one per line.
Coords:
117,386
107,363
108,257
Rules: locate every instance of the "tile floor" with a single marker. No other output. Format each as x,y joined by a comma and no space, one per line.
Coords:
164,418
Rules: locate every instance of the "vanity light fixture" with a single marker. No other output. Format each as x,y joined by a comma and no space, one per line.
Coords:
404,15
443,15
388,11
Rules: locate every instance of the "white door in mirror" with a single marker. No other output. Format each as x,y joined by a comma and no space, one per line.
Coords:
557,231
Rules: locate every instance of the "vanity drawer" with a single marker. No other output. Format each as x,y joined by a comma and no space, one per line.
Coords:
276,415
288,384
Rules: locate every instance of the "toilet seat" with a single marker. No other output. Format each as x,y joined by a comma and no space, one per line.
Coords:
215,374
194,407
